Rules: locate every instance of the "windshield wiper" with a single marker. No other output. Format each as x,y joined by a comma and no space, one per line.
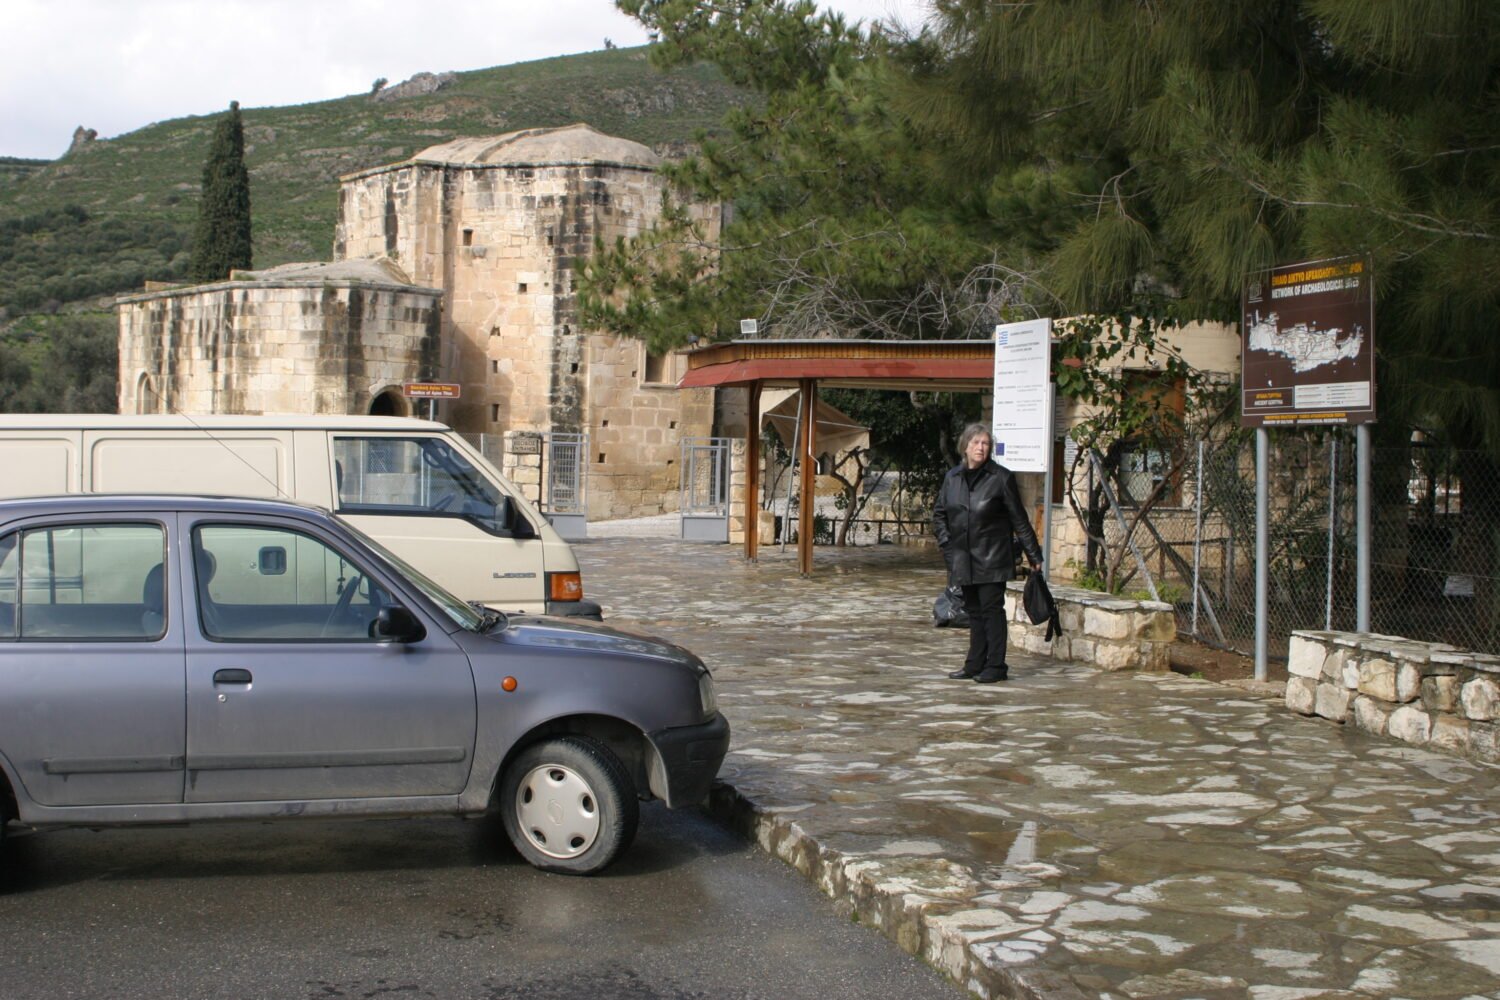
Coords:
488,617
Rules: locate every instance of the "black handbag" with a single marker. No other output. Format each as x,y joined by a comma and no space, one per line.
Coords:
1039,605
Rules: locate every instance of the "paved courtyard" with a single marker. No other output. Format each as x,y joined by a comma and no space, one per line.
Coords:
1071,832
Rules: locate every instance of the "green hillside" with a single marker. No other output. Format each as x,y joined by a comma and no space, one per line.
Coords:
138,192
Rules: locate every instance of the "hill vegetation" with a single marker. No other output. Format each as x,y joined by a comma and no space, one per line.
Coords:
113,213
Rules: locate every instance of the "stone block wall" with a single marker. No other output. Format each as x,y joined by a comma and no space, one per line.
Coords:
1109,632
1425,694
256,346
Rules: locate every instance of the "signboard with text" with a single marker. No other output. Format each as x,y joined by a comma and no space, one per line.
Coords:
431,390
1022,421
1307,344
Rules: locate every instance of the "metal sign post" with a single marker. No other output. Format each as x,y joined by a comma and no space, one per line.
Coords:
1308,348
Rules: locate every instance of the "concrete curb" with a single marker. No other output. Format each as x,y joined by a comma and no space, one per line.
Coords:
903,917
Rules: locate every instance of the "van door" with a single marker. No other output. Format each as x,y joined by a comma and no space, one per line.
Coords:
289,697
91,663
428,503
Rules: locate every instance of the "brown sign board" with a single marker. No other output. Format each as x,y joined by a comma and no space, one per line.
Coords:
1307,345
430,390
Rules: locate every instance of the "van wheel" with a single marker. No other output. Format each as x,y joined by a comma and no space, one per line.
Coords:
569,805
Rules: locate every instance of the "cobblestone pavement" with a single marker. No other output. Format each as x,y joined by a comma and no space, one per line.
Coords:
1071,832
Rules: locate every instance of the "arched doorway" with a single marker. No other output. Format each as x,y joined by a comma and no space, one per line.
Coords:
145,394
389,403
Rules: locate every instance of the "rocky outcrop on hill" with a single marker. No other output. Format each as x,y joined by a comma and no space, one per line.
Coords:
82,137
421,83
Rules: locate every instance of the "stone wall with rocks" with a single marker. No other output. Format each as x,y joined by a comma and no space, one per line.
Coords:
271,346
1425,694
1109,632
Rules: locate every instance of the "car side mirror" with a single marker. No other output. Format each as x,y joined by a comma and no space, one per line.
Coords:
396,623
512,520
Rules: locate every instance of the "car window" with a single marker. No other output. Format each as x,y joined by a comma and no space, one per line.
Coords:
83,582
415,475
256,583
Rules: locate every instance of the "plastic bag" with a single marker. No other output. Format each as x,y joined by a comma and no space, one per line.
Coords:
948,610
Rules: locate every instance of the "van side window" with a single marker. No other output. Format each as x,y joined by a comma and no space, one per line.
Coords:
415,475
83,582
258,584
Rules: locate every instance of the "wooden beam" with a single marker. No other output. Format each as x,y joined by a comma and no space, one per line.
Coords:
752,473
808,466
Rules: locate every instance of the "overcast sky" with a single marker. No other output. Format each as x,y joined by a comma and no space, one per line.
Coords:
118,65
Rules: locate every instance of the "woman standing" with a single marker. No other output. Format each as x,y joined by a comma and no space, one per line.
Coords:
978,512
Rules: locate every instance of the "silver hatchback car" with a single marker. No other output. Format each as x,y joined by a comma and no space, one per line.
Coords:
171,659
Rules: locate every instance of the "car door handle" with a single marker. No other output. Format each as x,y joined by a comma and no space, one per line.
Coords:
232,675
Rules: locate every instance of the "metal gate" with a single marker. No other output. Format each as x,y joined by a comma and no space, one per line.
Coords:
704,502
564,478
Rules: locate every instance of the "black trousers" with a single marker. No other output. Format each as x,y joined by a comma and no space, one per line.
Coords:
985,604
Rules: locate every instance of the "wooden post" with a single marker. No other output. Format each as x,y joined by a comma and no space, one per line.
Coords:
752,473
809,467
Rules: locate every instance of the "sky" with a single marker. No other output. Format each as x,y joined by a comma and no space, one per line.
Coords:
118,65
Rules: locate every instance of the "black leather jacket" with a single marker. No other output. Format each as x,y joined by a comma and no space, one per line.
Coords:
974,527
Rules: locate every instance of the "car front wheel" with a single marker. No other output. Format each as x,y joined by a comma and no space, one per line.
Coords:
569,805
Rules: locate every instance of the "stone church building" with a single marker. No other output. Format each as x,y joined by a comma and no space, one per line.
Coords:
458,265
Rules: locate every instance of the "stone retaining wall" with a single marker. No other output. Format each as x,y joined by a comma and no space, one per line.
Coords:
1109,632
1425,694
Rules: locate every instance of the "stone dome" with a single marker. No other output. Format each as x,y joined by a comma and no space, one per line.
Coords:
542,146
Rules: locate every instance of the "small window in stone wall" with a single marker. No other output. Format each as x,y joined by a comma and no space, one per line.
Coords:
494,413
468,237
494,366
658,368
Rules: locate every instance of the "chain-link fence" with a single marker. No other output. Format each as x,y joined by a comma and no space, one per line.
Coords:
1435,539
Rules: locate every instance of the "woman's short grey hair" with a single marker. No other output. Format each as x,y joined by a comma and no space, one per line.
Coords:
970,432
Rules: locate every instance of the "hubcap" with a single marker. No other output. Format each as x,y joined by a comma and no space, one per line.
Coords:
557,811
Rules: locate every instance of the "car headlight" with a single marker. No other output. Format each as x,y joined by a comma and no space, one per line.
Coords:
707,697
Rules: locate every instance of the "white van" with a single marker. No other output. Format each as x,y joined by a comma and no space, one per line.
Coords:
413,485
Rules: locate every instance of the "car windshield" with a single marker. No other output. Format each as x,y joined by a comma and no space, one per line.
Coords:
465,615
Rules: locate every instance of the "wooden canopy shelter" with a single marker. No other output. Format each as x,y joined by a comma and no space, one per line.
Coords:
928,365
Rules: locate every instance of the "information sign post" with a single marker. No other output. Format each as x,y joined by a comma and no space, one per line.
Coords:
1308,358
1021,423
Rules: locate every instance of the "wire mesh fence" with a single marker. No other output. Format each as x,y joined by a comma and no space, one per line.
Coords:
1435,572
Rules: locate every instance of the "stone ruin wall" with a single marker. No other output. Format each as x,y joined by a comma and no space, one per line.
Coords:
505,241
260,347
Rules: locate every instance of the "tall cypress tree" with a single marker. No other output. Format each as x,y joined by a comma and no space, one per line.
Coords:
221,242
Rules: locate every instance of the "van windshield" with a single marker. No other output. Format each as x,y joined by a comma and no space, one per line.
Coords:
413,475
465,615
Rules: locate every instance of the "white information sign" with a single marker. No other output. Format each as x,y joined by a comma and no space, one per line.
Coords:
1022,423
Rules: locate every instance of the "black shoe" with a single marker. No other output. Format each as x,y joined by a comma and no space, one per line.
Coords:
990,675
963,675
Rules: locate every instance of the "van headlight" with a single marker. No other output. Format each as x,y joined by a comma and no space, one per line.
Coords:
707,697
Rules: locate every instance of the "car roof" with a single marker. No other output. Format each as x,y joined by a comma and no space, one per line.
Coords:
209,422
124,503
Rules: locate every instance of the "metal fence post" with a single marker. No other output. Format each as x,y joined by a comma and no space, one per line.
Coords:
1262,547
1333,510
1198,541
1362,528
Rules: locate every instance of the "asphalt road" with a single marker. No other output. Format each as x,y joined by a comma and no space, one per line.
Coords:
424,908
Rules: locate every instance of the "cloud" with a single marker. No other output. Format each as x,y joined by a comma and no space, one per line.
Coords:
119,65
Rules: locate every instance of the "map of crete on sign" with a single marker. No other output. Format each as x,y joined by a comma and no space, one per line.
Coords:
1306,346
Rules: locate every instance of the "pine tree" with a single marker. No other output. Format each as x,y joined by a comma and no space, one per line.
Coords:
1199,141
221,242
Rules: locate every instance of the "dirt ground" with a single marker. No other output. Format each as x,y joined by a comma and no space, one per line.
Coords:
1197,660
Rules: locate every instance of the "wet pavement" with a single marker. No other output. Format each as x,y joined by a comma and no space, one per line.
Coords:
1070,832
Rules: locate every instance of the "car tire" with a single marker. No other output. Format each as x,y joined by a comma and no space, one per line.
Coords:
569,805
